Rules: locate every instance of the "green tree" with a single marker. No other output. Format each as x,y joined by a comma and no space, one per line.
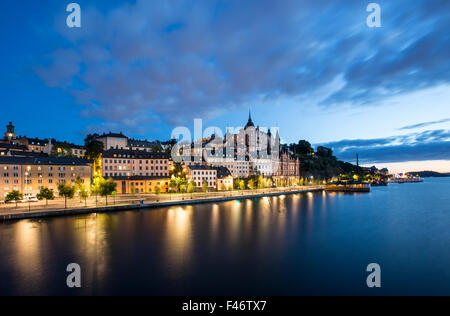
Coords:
95,189
15,196
183,188
173,184
46,194
79,186
251,184
242,185
205,186
303,148
67,191
324,152
223,187
178,170
84,194
158,190
236,183
191,187
261,183
94,148
107,188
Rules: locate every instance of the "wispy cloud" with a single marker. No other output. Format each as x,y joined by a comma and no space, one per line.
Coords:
425,124
428,145
189,58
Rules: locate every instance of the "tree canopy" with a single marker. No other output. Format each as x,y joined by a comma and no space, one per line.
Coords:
45,194
67,191
14,195
94,148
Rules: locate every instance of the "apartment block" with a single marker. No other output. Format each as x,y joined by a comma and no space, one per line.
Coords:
200,174
141,184
128,163
29,174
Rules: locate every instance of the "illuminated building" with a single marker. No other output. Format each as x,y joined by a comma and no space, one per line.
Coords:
127,163
29,174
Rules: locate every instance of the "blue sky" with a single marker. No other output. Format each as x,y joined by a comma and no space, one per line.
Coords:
312,68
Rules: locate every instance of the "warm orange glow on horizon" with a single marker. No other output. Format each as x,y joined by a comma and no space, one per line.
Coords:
411,166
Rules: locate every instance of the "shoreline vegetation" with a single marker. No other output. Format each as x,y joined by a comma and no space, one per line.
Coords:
322,165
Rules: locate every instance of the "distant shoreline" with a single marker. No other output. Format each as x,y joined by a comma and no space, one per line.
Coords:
429,174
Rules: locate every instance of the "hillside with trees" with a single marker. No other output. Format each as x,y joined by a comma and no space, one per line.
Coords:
320,163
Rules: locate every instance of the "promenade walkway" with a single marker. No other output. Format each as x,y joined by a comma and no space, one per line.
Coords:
129,202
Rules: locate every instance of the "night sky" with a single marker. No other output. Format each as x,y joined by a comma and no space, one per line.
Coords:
312,68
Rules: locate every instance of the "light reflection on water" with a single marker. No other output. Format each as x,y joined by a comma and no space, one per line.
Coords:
314,243
178,240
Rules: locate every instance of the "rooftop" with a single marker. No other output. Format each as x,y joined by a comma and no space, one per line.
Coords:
13,147
116,135
135,154
141,143
41,160
223,172
201,167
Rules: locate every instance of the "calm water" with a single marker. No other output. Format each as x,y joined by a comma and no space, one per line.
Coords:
301,244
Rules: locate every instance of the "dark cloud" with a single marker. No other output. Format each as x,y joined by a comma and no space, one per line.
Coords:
154,61
429,145
425,124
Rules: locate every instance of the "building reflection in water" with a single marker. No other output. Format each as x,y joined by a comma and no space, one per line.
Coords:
28,261
215,225
178,241
92,237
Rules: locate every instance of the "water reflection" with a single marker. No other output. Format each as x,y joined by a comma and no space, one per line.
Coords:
269,246
178,245
27,256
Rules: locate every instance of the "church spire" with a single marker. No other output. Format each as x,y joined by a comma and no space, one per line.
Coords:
250,122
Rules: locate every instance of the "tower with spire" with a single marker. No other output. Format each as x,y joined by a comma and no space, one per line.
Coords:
250,122
10,132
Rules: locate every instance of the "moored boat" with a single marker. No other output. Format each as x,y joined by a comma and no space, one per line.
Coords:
406,180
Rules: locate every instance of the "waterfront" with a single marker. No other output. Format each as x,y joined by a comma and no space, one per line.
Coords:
312,243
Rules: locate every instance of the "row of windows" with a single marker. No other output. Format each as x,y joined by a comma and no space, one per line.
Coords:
6,168
206,179
7,189
140,168
200,183
40,175
162,162
40,181
123,174
203,173
6,175
142,183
